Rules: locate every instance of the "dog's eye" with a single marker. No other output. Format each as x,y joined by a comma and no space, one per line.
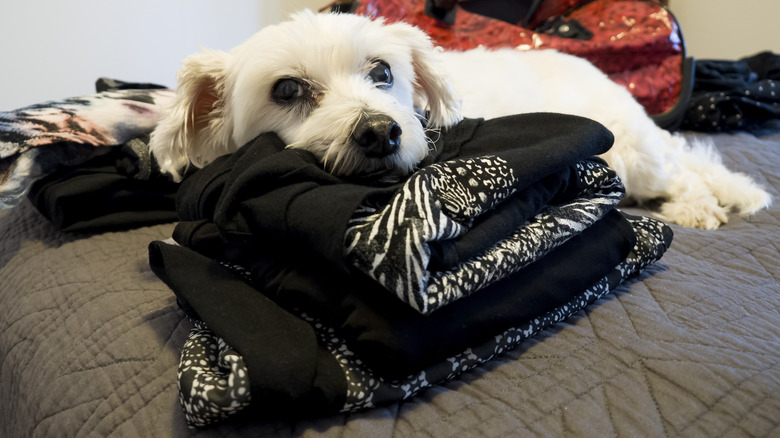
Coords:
287,89
380,74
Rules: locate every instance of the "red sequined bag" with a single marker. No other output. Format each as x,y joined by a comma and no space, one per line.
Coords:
638,44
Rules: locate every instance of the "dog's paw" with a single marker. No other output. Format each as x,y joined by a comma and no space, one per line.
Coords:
704,213
751,201
739,193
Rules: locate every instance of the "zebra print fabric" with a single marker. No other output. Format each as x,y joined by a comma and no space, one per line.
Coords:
392,244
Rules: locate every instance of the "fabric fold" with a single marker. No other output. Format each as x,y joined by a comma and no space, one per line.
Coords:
284,366
266,196
120,189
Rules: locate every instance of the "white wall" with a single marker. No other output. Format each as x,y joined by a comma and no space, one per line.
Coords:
274,11
728,29
51,49
290,6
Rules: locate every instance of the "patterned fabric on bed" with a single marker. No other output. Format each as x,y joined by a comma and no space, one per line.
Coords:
741,95
41,138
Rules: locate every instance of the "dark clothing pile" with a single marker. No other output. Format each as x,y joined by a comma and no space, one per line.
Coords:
119,189
314,294
741,95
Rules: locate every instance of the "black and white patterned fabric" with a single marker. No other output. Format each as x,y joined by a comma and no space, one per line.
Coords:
213,380
440,202
38,139
220,388
742,95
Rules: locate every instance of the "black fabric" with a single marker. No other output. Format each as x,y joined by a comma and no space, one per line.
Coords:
269,196
395,340
742,95
114,191
766,65
288,369
512,11
276,212
109,84
205,401
536,144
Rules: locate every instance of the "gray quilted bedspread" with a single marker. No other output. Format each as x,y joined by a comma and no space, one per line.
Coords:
90,341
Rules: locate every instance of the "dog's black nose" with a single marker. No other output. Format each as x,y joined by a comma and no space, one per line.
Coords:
378,135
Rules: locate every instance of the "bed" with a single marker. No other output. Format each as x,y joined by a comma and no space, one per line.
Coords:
91,340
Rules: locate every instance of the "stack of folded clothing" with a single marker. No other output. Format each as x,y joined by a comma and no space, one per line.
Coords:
312,294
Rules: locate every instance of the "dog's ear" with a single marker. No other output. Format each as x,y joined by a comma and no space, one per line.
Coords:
194,130
433,90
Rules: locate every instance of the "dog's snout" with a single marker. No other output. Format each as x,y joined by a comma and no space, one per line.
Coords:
378,135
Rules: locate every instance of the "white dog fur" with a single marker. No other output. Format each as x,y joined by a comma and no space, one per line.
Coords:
311,79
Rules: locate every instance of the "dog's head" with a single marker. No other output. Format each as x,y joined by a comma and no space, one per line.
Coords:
347,88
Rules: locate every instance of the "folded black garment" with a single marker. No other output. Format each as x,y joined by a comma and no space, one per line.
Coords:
287,372
267,196
277,213
394,340
513,215
118,190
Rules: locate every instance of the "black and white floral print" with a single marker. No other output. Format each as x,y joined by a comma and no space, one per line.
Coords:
206,403
213,379
438,203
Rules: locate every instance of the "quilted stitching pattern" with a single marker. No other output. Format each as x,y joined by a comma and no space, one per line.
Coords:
89,344
88,336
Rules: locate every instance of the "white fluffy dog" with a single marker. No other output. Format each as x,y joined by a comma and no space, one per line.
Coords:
352,91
